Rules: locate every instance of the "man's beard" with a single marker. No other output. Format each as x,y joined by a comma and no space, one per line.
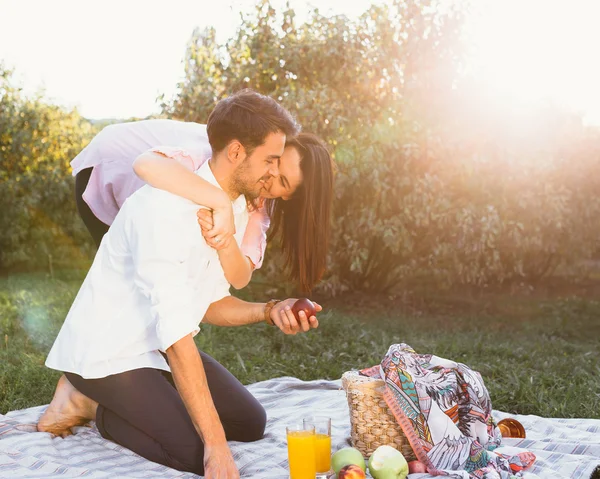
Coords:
242,183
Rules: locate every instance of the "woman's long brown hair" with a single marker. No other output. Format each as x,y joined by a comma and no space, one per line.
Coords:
304,219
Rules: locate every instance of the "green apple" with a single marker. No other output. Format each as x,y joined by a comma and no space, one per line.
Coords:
345,457
388,463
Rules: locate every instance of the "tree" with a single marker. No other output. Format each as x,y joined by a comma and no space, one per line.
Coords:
37,141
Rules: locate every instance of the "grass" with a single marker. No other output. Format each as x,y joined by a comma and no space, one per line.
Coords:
537,356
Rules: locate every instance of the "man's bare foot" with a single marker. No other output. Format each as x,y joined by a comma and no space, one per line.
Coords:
68,408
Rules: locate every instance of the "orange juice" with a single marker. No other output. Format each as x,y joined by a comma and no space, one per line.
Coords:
323,452
301,454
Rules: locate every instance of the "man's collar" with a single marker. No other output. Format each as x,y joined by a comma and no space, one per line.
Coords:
206,173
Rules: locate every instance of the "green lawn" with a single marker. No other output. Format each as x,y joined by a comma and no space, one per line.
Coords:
536,356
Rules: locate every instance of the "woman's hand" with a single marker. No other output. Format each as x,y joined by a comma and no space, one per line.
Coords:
218,226
219,464
284,319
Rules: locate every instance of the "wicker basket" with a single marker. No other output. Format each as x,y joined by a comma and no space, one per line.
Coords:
372,423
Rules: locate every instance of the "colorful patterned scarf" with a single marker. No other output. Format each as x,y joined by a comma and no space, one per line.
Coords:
445,411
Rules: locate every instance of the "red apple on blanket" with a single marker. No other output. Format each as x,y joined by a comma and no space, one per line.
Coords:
387,462
347,456
351,472
306,305
415,467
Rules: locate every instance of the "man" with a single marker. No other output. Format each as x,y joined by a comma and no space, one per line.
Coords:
126,346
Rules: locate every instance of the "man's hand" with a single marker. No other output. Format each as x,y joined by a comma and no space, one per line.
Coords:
284,319
219,464
217,226
191,383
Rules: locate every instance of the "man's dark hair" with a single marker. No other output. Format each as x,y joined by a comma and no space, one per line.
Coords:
248,117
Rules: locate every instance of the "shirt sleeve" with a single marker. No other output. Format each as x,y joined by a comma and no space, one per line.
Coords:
254,242
161,249
183,156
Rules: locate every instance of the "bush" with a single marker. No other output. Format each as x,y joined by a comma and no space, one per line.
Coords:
428,189
421,212
39,225
435,184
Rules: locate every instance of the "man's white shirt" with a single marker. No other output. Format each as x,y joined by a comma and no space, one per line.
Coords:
150,285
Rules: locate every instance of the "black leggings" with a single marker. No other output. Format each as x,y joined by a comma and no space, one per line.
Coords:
96,227
142,411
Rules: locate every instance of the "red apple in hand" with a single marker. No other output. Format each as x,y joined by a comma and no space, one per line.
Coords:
306,305
351,472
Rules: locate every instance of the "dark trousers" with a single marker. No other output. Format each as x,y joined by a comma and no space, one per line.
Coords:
96,227
142,411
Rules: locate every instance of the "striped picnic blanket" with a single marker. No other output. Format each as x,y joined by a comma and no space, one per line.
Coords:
568,448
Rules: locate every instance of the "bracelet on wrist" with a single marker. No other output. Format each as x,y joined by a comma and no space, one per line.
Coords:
268,308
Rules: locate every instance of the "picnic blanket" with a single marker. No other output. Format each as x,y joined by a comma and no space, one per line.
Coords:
565,448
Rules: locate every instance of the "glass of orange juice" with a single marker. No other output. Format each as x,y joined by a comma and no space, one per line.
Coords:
322,427
301,451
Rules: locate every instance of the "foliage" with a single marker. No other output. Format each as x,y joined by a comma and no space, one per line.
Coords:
439,180
434,183
38,226
479,219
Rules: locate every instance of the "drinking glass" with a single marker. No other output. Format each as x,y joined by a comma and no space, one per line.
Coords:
301,451
322,427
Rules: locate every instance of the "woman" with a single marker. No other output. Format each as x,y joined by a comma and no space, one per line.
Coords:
297,199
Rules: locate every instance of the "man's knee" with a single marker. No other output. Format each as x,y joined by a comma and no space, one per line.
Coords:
254,425
189,458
